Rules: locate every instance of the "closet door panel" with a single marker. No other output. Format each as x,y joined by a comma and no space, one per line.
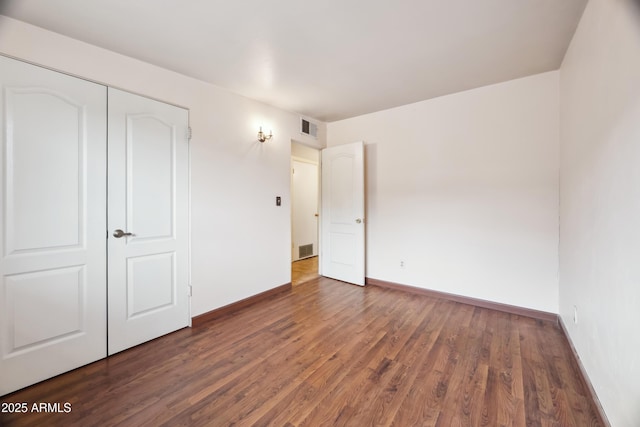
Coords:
53,223
148,219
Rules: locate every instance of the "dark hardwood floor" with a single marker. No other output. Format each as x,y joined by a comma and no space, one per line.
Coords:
331,354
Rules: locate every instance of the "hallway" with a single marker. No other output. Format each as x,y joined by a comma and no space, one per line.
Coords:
304,270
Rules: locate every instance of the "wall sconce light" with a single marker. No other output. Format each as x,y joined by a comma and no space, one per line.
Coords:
262,137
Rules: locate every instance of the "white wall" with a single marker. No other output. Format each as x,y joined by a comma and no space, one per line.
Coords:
464,190
600,202
235,178
305,197
306,152
304,201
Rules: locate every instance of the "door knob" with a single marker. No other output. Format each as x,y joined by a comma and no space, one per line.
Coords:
358,221
119,233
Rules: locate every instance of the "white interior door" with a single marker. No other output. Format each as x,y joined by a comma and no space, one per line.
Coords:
53,190
304,183
342,215
147,197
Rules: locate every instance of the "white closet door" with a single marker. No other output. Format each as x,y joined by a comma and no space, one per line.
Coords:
53,191
148,198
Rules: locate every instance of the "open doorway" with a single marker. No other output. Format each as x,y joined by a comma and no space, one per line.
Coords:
305,196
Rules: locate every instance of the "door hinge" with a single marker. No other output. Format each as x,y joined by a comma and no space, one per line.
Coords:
190,290
189,133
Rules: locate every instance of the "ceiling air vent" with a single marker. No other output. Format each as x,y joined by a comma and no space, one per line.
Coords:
308,128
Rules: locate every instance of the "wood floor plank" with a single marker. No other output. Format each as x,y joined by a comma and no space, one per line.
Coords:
465,396
329,353
419,349
304,270
420,405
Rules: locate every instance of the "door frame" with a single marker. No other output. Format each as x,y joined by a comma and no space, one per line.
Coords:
320,227
318,189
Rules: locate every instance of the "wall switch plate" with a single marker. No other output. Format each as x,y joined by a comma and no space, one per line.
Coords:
278,201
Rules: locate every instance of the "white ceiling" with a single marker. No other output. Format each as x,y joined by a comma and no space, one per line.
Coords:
327,59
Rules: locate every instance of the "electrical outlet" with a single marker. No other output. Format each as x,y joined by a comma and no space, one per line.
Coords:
575,314
401,264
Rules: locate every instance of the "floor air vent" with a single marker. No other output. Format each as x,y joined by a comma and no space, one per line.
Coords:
305,250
